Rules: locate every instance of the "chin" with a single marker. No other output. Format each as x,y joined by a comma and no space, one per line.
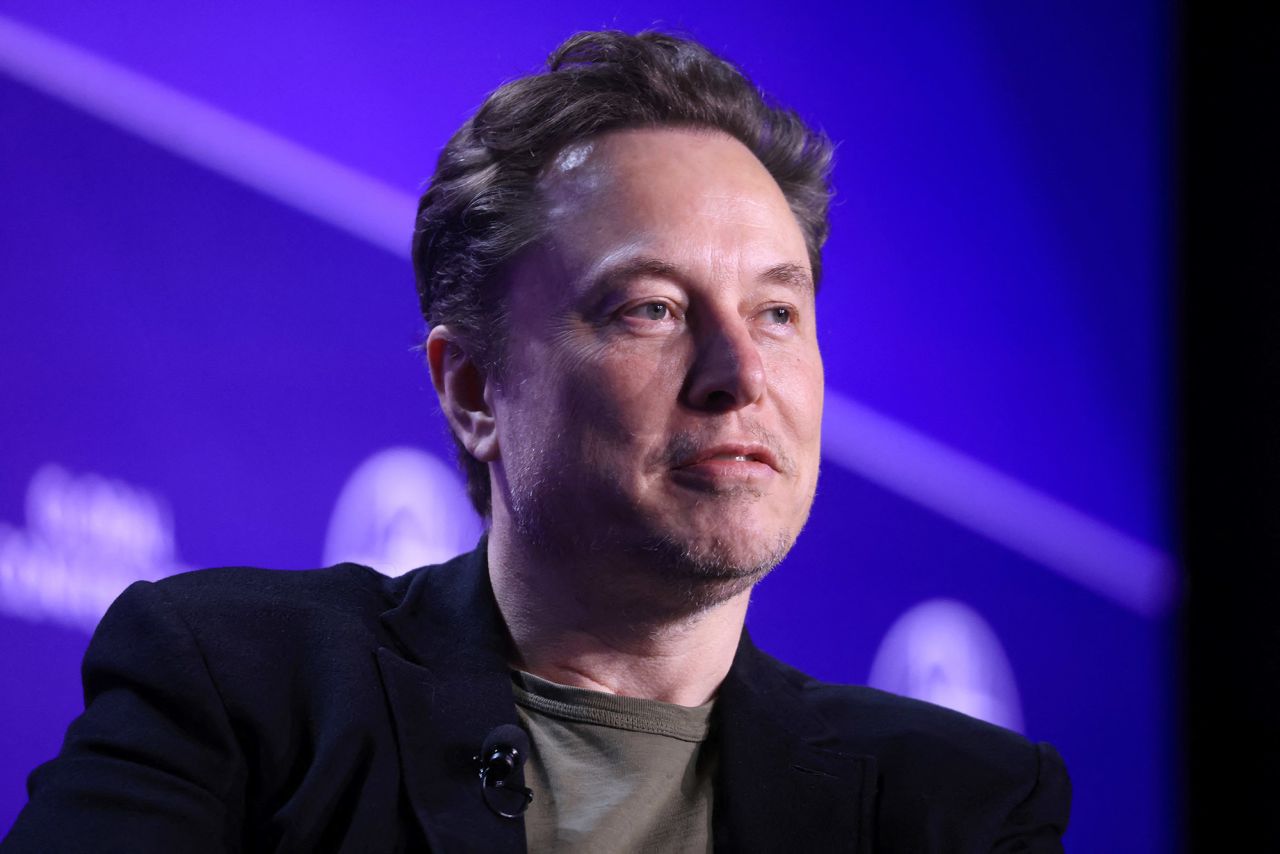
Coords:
713,568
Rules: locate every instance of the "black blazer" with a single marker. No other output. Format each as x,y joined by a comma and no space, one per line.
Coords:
340,710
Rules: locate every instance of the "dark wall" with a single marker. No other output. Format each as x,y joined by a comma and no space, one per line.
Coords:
1230,364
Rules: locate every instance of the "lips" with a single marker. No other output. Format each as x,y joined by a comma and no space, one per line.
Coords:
730,453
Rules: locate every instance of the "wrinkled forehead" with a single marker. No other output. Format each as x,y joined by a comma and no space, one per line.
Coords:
645,154
649,178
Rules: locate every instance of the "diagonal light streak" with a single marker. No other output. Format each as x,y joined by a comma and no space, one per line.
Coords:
886,452
1008,511
204,134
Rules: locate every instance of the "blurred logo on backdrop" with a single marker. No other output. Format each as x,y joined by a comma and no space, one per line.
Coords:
401,508
87,537
943,651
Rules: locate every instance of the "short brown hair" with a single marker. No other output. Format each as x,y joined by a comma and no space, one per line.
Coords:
482,207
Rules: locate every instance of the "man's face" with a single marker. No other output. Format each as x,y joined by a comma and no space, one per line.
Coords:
662,395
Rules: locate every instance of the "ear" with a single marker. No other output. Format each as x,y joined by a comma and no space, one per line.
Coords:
465,397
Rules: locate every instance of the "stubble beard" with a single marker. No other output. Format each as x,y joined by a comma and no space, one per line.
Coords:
629,557
704,575
651,575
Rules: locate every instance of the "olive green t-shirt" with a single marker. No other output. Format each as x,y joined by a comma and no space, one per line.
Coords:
614,774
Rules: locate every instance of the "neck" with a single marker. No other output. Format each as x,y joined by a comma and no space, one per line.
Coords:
599,623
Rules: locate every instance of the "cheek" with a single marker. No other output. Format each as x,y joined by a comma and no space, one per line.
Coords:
798,388
625,387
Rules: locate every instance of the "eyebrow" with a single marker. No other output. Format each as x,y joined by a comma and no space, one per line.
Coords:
792,275
634,268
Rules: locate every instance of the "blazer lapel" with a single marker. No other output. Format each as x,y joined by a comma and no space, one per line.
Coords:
779,786
447,685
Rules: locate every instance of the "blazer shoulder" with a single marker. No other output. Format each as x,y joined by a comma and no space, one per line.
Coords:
268,606
958,776
252,586
925,741
905,730
889,717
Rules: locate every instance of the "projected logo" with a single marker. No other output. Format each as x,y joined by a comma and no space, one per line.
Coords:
943,651
400,509
87,538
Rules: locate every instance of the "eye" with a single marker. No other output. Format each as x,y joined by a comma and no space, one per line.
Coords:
779,314
655,311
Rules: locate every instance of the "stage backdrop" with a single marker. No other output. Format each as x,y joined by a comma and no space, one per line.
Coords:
208,332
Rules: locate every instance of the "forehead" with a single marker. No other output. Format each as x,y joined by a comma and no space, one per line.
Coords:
671,191
662,162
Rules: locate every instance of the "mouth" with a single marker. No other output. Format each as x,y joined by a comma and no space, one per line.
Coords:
748,456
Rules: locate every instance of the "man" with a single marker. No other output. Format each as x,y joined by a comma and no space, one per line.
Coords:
618,260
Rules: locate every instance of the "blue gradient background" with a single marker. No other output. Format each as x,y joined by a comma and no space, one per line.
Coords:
997,279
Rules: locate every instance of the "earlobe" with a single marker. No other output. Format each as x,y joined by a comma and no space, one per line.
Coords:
462,388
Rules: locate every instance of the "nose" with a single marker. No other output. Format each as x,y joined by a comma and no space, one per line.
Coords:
728,371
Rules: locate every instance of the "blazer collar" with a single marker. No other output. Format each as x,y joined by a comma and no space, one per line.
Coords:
780,785
448,687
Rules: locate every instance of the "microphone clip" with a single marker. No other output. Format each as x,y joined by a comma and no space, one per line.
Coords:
501,780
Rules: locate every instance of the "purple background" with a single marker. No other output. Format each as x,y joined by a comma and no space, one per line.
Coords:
997,280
